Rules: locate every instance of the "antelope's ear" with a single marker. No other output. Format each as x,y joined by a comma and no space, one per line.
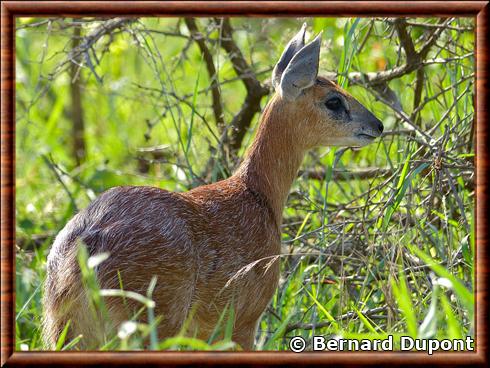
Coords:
301,71
296,44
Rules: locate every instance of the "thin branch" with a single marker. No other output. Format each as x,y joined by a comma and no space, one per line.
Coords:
213,75
78,124
431,25
255,91
405,40
433,37
54,168
417,97
339,175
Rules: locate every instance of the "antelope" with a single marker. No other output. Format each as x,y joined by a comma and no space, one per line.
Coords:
197,241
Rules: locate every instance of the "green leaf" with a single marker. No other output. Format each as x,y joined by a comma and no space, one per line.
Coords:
404,300
428,328
453,324
72,343
278,333
365,321
347,52
184,342
324,311
62,337
403,182
465,296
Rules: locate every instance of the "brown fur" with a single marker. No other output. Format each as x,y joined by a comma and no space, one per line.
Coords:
196,242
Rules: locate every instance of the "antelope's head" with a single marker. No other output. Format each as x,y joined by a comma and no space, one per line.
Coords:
328,115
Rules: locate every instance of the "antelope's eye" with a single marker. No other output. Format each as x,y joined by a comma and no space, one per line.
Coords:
334,104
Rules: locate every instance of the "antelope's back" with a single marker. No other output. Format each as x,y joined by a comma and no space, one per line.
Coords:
120,218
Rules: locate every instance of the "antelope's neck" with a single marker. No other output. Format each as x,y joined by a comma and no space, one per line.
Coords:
273,160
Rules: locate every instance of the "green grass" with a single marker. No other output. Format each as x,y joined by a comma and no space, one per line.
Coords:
363,256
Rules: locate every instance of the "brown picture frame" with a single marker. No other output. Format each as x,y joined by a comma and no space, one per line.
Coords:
12,9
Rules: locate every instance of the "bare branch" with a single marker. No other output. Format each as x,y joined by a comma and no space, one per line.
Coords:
78,124
406,40
213,76
339,175
432,38
255,91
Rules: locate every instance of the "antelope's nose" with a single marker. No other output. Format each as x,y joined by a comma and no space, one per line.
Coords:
376,125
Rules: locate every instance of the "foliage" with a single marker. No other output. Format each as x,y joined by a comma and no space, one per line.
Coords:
376,241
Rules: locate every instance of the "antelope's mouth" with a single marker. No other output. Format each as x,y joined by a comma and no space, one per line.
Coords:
366,136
